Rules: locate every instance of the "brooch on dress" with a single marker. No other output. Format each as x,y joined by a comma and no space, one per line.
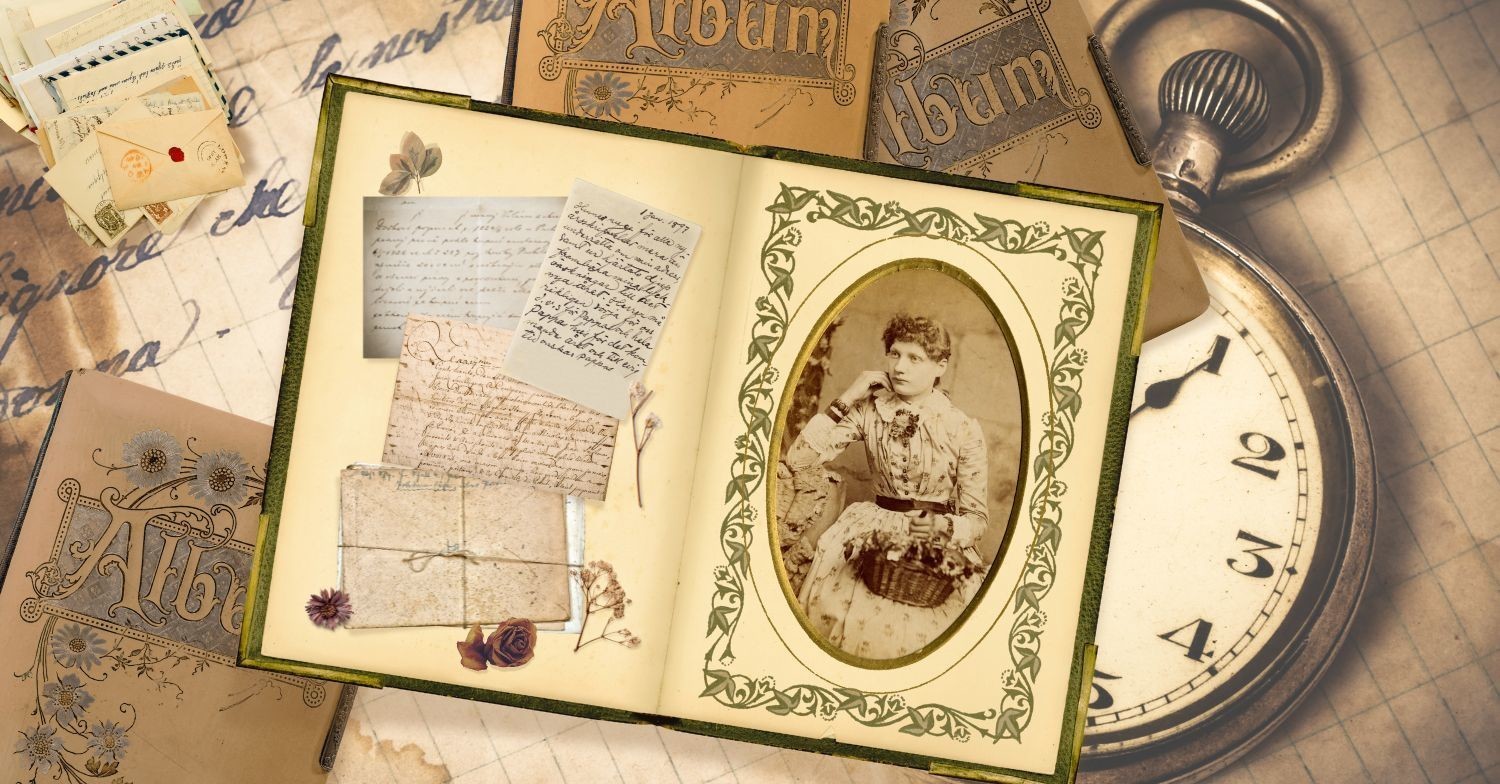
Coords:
904,425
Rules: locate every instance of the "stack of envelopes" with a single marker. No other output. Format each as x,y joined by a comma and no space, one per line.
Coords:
122,101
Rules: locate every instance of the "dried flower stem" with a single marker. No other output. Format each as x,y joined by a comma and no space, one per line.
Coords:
603,593
639,396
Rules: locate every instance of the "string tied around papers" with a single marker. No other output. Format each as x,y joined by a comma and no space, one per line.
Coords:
420,560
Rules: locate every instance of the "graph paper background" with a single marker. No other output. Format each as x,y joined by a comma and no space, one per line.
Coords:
1394,238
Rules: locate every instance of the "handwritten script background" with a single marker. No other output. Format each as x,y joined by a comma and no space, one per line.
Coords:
1409,196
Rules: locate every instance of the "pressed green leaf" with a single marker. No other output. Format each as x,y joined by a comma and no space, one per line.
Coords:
432,159
395,183
412,150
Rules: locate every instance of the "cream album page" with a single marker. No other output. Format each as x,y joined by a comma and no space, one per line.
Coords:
901,465
343,404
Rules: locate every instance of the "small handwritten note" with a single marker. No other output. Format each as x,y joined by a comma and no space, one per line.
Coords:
473,259
601,298
455,410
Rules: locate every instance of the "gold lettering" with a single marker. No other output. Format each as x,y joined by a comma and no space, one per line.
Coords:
800,15
987,83
767,25
829,28
1034,68
668,27
896,120
202,584
719,22
640,10
232,615
971,110
164,570
128,567
927,109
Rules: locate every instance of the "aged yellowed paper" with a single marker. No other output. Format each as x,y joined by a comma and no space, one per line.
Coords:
601,299
456,410
471,259
424,548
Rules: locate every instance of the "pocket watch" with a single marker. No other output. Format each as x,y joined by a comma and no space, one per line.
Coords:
1245,517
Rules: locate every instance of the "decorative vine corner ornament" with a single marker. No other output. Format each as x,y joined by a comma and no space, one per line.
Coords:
1079,249
129,576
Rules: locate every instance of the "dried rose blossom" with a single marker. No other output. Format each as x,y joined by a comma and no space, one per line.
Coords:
329,608
513,643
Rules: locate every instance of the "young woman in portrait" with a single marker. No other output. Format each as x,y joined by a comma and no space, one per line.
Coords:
891,575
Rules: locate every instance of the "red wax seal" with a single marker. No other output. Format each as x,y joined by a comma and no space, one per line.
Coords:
176,154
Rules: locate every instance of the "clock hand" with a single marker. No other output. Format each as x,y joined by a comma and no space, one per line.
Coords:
1160,394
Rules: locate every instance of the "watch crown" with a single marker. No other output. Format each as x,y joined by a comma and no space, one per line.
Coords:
1221,88
1213,103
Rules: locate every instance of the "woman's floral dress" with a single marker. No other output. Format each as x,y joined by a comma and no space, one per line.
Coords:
924,451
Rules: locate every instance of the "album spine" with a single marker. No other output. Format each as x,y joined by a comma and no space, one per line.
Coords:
36,469
508,90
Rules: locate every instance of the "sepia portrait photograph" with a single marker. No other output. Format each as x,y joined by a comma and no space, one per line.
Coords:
900,450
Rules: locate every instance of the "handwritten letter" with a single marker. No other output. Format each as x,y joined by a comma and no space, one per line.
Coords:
456,411
469,259
601,299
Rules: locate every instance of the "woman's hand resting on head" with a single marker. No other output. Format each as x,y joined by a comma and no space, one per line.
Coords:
864,385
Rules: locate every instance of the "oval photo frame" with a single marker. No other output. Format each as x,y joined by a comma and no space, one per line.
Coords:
982,385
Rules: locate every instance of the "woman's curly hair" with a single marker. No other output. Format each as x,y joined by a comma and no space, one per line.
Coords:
923,331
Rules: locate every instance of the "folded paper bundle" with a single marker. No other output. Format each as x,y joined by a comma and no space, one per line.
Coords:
424,548
123,104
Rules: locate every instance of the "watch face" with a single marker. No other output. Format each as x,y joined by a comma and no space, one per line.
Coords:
1219,507
1232,530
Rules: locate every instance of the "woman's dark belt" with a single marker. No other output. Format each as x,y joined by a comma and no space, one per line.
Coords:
911,505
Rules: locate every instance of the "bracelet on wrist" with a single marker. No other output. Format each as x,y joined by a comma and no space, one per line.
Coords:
837,410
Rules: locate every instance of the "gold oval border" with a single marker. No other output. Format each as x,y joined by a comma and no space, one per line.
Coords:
773,537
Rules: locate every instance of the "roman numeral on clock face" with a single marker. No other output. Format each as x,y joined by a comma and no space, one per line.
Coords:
1193,638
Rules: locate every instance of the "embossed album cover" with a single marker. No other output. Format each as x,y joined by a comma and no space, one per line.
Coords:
787,74
123,599
859,497
1003,90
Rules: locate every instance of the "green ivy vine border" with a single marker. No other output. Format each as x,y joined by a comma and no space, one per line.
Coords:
1081,250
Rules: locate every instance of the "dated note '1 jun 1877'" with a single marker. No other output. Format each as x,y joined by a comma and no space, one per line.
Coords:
601,298
455,410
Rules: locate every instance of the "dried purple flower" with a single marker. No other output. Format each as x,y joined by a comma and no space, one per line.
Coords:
473,651
513,643
329,608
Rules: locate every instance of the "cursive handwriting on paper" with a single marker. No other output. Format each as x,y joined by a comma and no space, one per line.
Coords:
455,410
472,259
612,270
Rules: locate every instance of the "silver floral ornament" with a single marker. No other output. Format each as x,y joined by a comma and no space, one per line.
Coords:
75,645
220,478
152,457
67,699
108,741
39,748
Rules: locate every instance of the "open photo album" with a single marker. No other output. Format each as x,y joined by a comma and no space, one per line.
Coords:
640,426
